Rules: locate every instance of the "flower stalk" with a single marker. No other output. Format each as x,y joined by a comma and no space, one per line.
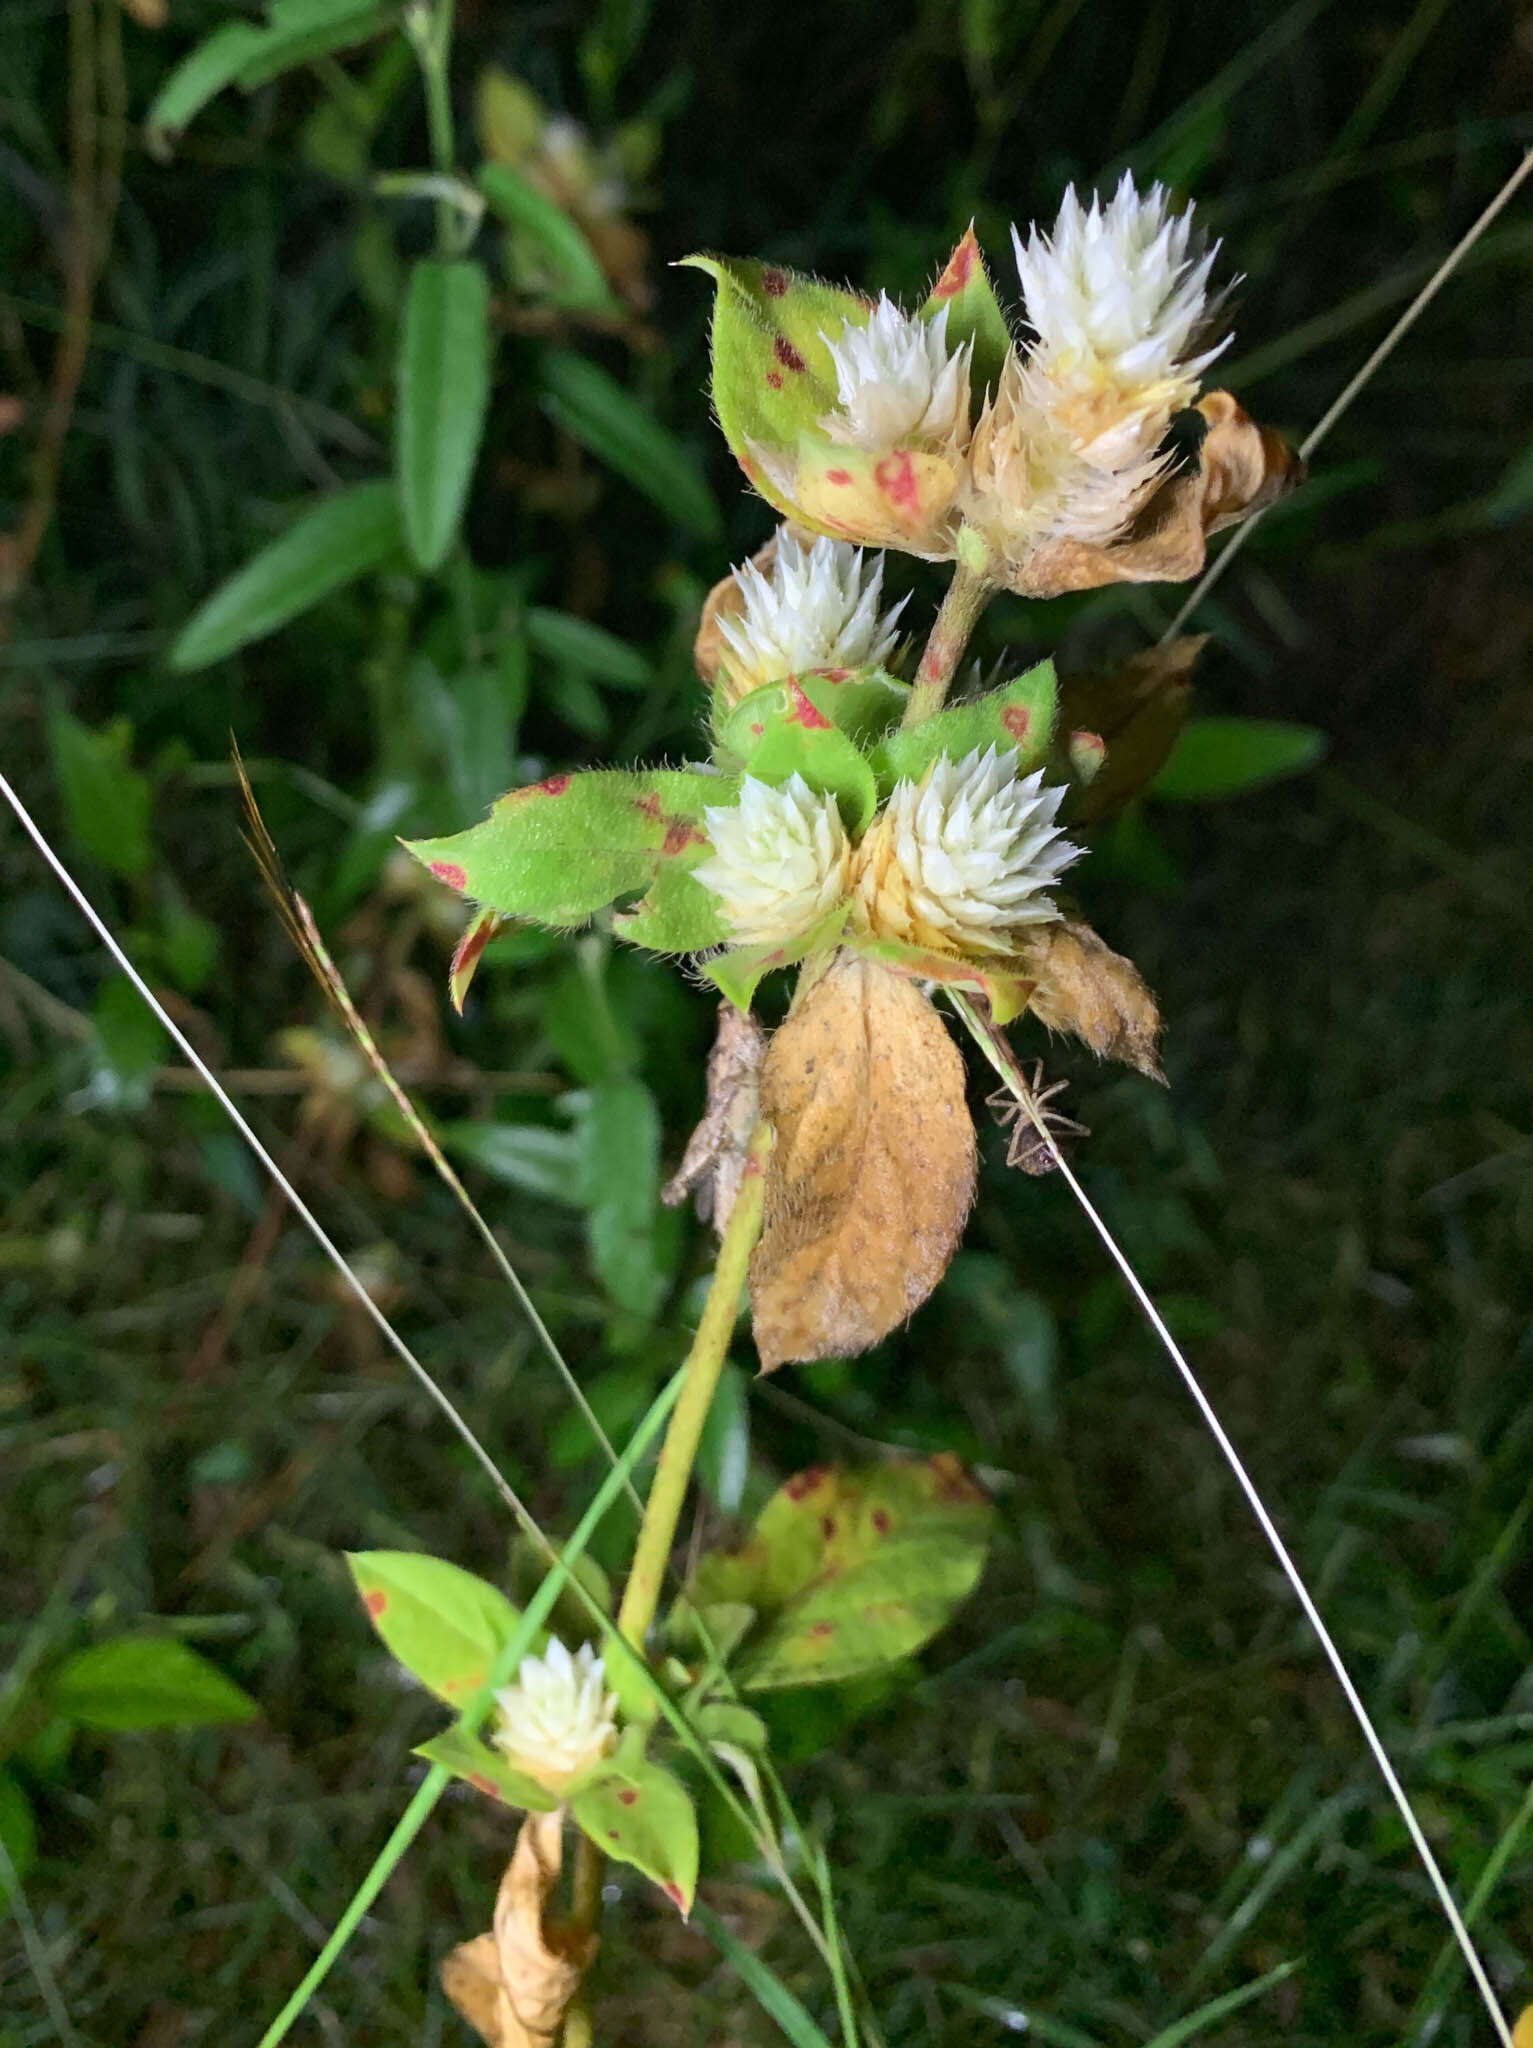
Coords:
967,595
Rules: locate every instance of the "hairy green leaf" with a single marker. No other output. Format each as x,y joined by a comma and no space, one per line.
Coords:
786,729
331,544
636,1812
1019,715
444,389
974,315
486,1770
442,1623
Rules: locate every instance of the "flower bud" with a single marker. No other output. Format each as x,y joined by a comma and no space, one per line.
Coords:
557,1720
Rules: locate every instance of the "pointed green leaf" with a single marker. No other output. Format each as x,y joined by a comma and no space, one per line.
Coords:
973,314
779,731
18,1833
639,1814
851,1570
602,416
565,847
200,76
298,34
486,1770
1218,757
678,915
106,799
146,1682
443,1624
444,388
331,544
773,376
590,650
581,280
1019,715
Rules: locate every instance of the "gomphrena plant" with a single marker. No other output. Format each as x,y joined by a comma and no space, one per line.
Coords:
887,841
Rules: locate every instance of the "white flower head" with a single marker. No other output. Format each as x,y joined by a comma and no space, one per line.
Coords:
780,860
819,608
558,1718
897,382
1118,292
965,858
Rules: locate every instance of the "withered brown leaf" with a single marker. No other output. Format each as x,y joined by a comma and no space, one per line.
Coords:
714,1160
1137,707
1241,468
514,1984
1088,989
872,1172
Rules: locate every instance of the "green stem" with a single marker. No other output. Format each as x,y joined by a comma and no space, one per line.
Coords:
430,31
967,595
668,1490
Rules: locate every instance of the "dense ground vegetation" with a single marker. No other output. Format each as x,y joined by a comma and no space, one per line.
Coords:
1124,1782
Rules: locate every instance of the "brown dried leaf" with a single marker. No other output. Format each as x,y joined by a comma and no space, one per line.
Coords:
872,1173
1137,708
513,1984
1087,988
1241,469
714,1160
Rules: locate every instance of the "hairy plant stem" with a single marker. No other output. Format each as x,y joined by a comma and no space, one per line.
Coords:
429,28
967,595
668,1490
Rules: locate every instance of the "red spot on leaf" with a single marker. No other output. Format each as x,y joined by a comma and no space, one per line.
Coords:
750,467
774,282
838,476
1017,718
895,477
787,354
803,712
828,1527
676,1895
613,1835
628,1796
376,1602
834,675
953,1483
804,1483
483,1785
823,1630
960,268
775,957
757,730
679,835
449,872
774,378
881,1521
649,805
553,785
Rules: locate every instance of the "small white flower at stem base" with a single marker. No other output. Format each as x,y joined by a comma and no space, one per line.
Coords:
780,860
818,609
897,382
558,1718
964,859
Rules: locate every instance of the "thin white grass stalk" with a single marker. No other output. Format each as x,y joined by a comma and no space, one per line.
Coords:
306,1216
36,1950
1339,405
999,1054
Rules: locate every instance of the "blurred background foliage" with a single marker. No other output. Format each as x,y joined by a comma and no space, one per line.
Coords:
1124,1783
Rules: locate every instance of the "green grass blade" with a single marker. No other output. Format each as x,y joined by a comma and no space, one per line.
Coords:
430,1791
1220,2008
770,1993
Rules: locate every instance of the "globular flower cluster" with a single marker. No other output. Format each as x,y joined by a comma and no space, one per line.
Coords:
819,608
962,860
897,382
558,1718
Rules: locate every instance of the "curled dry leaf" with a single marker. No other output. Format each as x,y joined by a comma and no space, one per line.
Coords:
872,1172
716,1151
1136,708
1241,469
1087,988
513,1984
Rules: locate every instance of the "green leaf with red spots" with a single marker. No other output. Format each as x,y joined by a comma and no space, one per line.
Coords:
864,703
781,730
974,314
469,951
440,1622
638,1813
1019,715
486,1770
562,849
850,1570
677,915
773,377
1006,990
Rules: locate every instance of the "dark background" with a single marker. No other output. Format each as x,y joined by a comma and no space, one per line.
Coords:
1124,1781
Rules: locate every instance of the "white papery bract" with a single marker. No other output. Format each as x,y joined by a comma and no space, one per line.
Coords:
964,859
558,1718
819,608
1119,295
780,860
897,383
